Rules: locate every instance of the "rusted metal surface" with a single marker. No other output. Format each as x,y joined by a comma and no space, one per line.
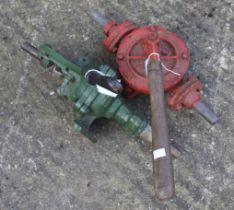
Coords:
147,136
33,51
162,161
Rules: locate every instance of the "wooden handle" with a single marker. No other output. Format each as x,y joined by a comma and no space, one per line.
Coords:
162,161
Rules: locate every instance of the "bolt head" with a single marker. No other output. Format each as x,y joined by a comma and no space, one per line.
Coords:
114,49
184,55
120,56
152,28
153,36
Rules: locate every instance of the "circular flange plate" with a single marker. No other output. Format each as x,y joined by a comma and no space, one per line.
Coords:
132,54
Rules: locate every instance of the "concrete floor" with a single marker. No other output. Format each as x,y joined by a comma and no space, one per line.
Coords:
45,164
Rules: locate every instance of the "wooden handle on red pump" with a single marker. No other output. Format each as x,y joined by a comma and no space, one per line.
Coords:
162,160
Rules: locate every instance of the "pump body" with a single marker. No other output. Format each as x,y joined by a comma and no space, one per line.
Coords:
130,42
89,103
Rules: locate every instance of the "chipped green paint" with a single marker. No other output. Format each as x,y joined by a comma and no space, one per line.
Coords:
89,104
